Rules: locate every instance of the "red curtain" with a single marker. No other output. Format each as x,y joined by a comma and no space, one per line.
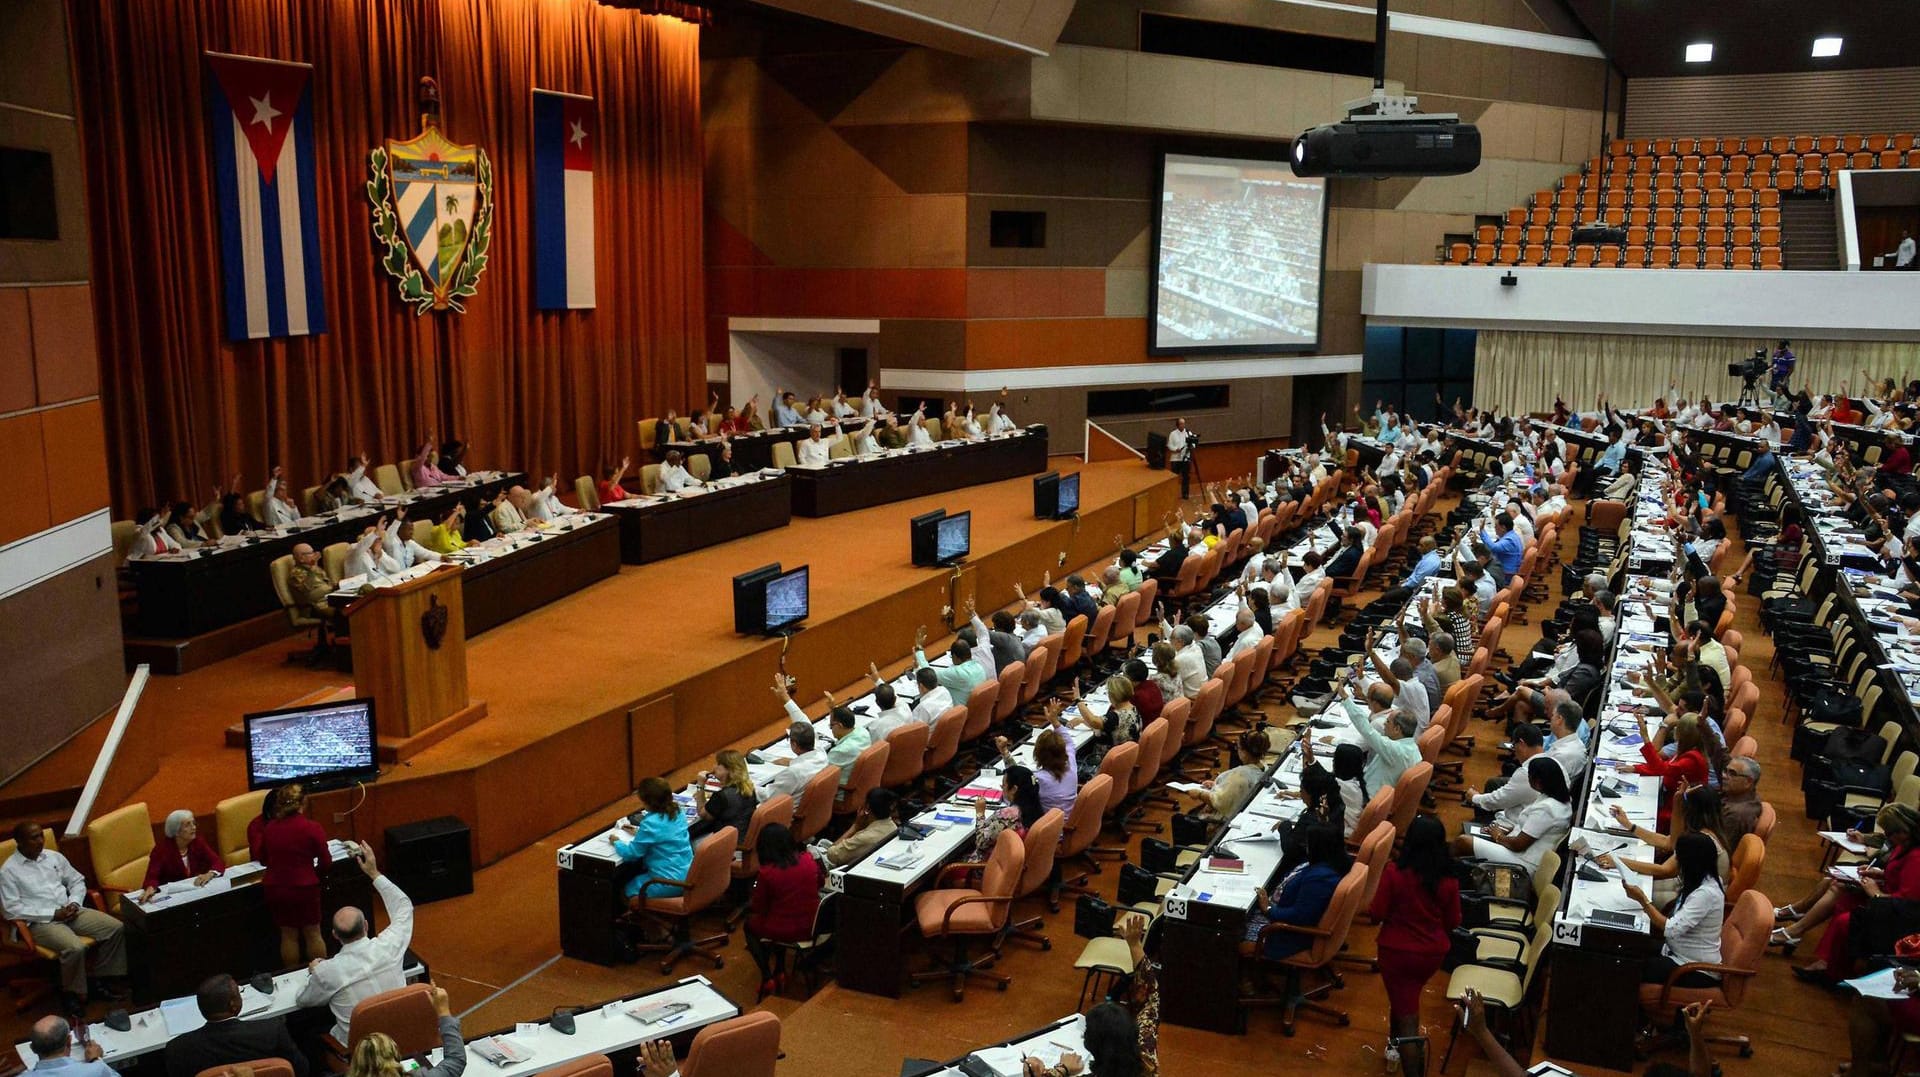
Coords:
544,391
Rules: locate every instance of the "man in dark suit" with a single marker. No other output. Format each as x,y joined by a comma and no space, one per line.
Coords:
1348,555
226,1039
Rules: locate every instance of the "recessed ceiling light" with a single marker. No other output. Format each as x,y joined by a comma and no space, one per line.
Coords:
1826,46
1700,52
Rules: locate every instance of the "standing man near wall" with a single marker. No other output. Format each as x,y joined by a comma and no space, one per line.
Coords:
1783,360
1180,453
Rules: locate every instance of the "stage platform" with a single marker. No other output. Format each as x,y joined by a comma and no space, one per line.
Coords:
633,676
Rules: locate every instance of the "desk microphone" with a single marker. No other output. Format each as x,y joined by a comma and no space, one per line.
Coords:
262,983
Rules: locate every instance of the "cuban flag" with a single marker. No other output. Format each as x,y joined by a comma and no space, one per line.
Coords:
260,124
565,127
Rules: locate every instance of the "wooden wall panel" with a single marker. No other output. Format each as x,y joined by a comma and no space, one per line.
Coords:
65,359
16,352
24,510
59,680
1816,102
76,455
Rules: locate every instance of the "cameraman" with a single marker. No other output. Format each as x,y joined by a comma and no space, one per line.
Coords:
1180,453
1782,369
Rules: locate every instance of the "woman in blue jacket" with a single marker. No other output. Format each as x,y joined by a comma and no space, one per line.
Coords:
1303,898
657,842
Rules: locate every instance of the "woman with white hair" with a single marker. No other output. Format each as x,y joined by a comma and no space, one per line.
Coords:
180,854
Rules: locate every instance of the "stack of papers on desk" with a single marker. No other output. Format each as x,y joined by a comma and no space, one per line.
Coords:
501,1051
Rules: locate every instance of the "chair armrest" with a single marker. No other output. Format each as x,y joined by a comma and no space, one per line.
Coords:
946,922
1275,927
951,870
1698,966
641,897
18,938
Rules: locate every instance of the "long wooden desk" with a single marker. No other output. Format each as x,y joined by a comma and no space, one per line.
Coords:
189,933
1593,1001
509,575
198,591
863,482
658,527
751,452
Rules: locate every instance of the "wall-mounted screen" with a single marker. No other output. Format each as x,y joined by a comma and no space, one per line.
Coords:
1238,248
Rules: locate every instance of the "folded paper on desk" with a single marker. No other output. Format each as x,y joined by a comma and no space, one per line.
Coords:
1839,837
182,1015
501,1051
657,1012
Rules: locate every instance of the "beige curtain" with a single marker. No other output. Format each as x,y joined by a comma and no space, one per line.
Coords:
1523,372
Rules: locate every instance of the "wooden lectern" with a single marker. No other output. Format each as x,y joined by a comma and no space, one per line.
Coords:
410,655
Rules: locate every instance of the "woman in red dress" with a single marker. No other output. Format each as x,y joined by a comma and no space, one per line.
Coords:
786,895
292,847
1418,906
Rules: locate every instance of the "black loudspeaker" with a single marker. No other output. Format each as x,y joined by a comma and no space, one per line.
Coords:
431,859
1156,451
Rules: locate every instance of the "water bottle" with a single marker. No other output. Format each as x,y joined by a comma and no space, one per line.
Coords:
1392,1057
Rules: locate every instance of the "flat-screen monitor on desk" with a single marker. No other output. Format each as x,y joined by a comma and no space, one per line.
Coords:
750,599
322,746
922,537
786,600
953,538
1056,496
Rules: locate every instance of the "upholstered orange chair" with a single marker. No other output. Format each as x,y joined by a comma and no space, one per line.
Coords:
1117,766
1126,618
705,883
906,753
943,743
1153,741
1096,639
962,915
868,768
1377,811
405,1014
1743,941
745,1046
1328,936
1073,644
815,809
261,1067
1007,702
1081,831
1037,663
1743,869
595,1065
1042,847
980,707
746,861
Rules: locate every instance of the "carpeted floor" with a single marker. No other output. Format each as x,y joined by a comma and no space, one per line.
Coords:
505,936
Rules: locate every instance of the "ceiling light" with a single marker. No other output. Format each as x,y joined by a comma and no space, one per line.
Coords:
1826,46
1700,52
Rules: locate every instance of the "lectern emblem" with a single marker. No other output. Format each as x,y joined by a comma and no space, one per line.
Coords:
433,623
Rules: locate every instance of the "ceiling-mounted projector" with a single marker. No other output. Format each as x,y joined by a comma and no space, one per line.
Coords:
1382,136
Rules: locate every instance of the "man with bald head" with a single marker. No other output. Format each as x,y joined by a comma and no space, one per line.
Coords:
52,1044
1391,749
367,964
307,581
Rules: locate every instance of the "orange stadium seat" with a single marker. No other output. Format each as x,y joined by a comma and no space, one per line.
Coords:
1483,254
1752,144
1812,181
1803,143
1826,143
1663,181
1766,198
1662,235
1715,215
1684,146
1851,143
1561,236
1536,233
1509,253
1616,199
1583,254
1890,158
1762,163
1739,163
1713,164
1740,257
1767,216
1566,217
1534,254
1786,162
1876,143
1785,179
1689,215
1913,158
1689,181
1903,141
1714,235
1742,198
1693,196
1486,233
1690,163
1687,258
1769,235
1779,144
1558,254
1614,217
1517,216
1661,147
1660,257
1687,235
1770,258
1459,253
1641,146
1666,197
1640,215
1513,233
1862,160
1634,257
1714,258
1636,235
1741,235
1836,161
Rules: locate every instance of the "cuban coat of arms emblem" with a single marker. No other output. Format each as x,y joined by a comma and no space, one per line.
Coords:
432,212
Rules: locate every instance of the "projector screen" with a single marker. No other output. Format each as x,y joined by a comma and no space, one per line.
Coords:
1237,257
